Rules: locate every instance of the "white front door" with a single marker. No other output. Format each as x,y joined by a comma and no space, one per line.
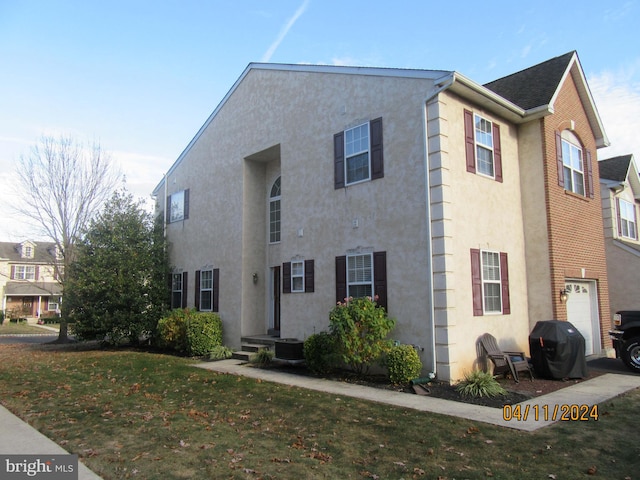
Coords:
582,312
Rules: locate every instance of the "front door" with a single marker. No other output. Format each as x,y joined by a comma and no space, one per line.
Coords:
275,302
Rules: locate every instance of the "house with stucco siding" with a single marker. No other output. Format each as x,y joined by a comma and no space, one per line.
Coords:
456,204
620,185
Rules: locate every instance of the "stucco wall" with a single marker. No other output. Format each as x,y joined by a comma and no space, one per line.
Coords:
474,211
229,179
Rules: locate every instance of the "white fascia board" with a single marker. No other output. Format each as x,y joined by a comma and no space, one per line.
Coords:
488,99
587,99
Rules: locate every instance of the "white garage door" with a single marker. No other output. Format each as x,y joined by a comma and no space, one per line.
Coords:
582,313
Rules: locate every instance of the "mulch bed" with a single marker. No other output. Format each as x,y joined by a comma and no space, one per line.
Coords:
516,392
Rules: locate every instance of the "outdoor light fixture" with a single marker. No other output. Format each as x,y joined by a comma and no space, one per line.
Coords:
255,277
563,295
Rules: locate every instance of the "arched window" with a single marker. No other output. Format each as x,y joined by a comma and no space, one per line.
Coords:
573,163
274,212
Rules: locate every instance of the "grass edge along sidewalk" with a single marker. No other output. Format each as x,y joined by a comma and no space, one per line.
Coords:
131,414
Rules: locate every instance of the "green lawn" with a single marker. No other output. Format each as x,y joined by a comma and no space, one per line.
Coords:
10,328
132,414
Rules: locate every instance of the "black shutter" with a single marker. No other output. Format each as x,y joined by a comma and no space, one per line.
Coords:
469,139
380,278
186,204
196,300
588,181
168,212
504,282
216,289
559,159
286,277
341,278
185,278
476,281
377,158
308,276
338,160
497,153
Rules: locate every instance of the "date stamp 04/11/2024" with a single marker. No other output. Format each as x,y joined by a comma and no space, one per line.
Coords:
571,412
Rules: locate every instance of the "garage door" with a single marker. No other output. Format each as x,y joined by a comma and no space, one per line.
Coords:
582,313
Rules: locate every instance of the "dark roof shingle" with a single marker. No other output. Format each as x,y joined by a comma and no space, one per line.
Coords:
615,168
534,86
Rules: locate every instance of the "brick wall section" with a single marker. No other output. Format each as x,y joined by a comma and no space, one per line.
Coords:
576,240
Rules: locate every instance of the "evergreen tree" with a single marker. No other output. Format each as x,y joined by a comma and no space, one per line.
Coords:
117,288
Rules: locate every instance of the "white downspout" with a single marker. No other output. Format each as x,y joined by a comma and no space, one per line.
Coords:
440,86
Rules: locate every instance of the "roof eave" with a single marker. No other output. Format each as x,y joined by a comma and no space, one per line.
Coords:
584,93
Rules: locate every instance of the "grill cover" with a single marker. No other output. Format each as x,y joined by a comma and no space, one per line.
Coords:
557,350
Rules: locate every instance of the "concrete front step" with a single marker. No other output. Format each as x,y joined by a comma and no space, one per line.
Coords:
249,350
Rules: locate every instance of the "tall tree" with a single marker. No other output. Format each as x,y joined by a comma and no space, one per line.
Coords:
117,286
62,185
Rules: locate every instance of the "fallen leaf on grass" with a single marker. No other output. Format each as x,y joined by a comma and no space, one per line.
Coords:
592,470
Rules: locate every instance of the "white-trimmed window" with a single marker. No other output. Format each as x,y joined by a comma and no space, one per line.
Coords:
297,276
53,304
627,219
484,145
206,290
274,212
491,284
573,164
176,290
24,272
356,148
360,275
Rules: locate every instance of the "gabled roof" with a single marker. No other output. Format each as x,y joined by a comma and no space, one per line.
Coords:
616,168
42,253
537,88
620,170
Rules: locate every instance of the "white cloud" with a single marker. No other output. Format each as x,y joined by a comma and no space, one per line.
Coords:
285,30
617,98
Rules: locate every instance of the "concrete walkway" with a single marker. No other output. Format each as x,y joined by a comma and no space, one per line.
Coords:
17,437
20,438
569,400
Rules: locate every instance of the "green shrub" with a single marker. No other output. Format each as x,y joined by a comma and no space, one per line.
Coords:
190,332
220,352
319,352
360,328
480,384
203,332
403,364
172,330
263,357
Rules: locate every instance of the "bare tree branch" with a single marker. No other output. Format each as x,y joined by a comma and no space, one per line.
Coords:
62,185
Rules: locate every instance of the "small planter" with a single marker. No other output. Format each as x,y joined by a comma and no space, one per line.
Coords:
289,349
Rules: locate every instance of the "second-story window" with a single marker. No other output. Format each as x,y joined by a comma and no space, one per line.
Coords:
274,212
627,219
573,166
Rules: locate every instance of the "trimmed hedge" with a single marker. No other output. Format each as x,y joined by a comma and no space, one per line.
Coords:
403,364
190,332
319,352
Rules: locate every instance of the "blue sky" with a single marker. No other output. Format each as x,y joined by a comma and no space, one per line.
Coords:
141,77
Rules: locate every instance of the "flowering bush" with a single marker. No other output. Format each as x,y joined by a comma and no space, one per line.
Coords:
360,327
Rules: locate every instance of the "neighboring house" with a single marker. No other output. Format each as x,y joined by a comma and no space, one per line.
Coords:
465,208
620,187
28,280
